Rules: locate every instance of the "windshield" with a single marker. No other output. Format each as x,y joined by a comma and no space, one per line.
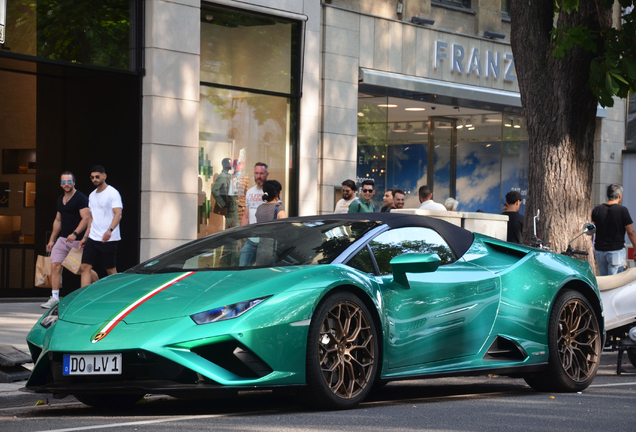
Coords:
284,243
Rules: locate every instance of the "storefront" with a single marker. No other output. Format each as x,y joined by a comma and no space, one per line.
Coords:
434,102
248,110
70,92
318,91
472,150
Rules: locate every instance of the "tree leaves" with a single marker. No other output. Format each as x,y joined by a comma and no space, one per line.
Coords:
566,38
613,72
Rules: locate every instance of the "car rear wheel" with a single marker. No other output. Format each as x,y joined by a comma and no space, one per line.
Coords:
342,352
574,343
109,400
631,354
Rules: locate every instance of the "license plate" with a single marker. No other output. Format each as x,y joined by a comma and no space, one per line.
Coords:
97,364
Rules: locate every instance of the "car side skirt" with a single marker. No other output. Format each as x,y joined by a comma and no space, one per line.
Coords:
506,371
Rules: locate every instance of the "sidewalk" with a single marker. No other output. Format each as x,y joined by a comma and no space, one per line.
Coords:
16,320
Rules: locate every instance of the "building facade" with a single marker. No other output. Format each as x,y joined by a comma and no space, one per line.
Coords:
403,92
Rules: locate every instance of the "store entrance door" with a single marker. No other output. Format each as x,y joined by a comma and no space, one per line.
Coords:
55,118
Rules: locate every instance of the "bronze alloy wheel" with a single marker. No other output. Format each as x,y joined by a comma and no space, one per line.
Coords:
574,344
578,341
346,349
342,353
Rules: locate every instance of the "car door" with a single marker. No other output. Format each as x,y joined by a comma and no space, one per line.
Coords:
444,314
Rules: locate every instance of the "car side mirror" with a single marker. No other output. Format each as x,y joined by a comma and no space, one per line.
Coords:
413,263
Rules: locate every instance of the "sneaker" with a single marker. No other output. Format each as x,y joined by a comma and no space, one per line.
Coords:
49,304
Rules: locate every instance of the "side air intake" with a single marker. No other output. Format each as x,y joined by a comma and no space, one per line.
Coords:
504,349
234,357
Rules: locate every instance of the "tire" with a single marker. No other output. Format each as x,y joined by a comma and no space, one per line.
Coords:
574,344
631,355
109,401
342,353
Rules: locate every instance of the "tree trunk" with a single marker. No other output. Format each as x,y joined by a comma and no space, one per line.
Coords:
561,119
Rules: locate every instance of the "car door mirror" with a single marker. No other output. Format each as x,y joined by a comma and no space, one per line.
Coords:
413,263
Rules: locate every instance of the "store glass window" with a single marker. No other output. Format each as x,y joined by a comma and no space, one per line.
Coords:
514,162
248,51
95,32
478,178
248,104
442,141
393,152
473,155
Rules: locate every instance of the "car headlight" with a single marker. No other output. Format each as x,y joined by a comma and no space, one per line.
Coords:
50,317
226,312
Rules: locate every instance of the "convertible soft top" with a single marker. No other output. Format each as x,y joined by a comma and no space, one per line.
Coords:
457,238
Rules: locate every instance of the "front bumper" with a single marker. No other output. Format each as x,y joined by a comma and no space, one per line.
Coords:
172,357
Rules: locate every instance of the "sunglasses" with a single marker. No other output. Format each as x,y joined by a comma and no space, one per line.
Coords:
65,182
367,190
96,177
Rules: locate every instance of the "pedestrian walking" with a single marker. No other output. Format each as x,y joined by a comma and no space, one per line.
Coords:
102,234
612,221
69,225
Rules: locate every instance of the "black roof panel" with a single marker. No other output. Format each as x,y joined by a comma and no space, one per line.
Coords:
457,238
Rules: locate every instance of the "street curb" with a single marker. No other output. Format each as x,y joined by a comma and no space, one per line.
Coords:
23,299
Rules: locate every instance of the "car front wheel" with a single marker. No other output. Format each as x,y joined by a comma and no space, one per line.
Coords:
342,352
574,342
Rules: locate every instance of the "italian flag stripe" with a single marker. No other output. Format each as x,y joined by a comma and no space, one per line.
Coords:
103,332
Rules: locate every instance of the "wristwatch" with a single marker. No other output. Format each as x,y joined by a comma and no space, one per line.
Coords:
111,229
75,234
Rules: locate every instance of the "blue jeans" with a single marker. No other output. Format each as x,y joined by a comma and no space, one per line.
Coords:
610,262
248,254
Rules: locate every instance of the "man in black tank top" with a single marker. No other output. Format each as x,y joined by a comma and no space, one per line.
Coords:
612,221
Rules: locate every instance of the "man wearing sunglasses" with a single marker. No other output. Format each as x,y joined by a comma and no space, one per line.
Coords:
102,234
349,189
70,222
364,204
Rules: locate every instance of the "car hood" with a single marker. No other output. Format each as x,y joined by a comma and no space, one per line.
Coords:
144,298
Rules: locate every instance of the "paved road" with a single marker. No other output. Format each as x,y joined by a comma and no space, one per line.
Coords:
448,404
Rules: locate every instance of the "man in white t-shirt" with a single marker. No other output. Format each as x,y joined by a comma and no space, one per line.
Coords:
348,196
426,198
253,199
102,235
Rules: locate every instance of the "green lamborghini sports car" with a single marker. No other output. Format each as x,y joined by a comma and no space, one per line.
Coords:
325,306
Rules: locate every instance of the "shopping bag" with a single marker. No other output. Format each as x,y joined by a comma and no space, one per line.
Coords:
43,271
73,261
